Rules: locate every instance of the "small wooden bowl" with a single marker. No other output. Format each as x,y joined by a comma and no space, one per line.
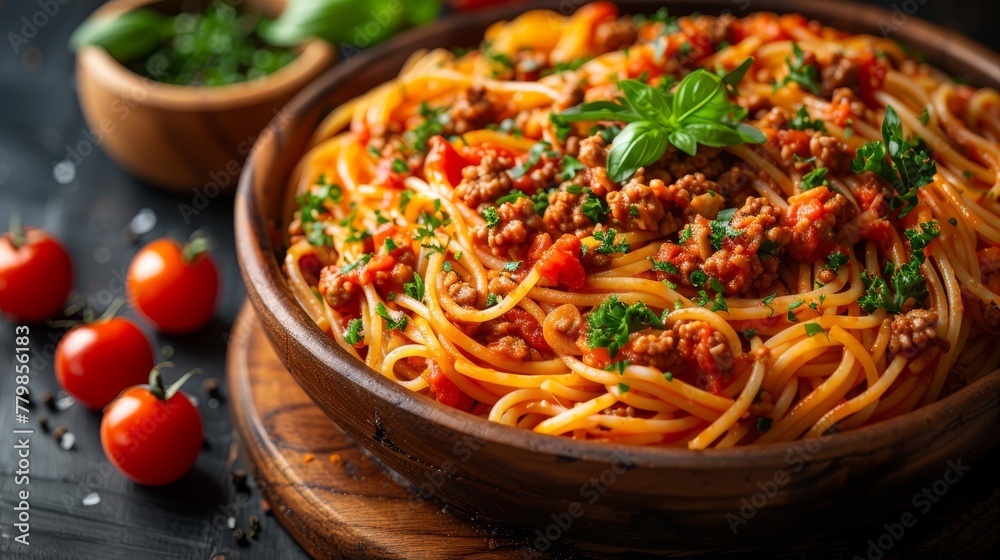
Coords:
180,137
630,498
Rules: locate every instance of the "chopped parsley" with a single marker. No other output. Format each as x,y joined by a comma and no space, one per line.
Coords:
613,321
512,196
399,166
618,366
312,204
491,216
813,329
953,221
767,301
925,116
360,262
685,235
907,170
663,266
491,300
813,179
806,75
594,208
792,308
353,333
623,388
905,282
415,289
836,259
391,323
801,121
447,267
607,246
390,244
432,125
750,333
534,156
721,228
512,266
570,167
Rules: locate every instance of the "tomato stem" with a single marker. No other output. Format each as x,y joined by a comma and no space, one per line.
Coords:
156,380
156,386
196,246
113,309
17,236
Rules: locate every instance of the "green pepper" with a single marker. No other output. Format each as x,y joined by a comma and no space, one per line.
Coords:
340,22
126,37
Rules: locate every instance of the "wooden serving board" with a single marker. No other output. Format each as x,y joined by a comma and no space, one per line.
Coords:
345,507
351,508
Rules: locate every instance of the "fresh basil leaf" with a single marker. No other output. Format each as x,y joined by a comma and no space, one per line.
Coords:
640,143
699,89
750,134
733,78
713,134
645,100
684,142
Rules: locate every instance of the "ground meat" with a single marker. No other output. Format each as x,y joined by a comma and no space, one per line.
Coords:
912,332
737,182
750,260
516,335
599,182
654,348
473,109
830,153
593,152
840,72
636,206
335,289
512,235
777,118
614,34
565,213
812,217
707,162
846,96
501,283
461,292
679,193
485,182
685,260
694,342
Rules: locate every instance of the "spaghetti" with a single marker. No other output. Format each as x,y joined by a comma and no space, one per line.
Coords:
575,230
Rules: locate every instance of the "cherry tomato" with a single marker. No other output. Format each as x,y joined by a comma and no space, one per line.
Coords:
36,274
151,434
97,361
174,286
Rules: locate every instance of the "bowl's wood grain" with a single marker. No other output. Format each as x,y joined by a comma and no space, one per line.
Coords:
667,495
179,137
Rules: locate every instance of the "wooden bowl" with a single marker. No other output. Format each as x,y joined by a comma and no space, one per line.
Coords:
181,137
627,497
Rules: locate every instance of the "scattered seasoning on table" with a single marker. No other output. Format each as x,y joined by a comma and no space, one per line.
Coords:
308,458
43,423
167,352
211,387
92,499
59,432
240,480
254,526
265,506
67,441
240,536
49,400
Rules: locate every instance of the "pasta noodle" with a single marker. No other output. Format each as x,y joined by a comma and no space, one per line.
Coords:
814,252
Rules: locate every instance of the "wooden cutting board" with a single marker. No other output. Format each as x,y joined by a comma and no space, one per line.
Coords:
338,502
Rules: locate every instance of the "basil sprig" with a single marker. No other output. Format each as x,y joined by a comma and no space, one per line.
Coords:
699,111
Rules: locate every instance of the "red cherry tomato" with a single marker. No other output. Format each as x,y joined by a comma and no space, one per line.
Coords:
96,362
174,286
36,275
151,436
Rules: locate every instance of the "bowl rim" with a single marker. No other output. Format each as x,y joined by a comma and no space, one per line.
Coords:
314,56
270,295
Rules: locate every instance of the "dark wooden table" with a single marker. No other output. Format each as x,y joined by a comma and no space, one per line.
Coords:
88,203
